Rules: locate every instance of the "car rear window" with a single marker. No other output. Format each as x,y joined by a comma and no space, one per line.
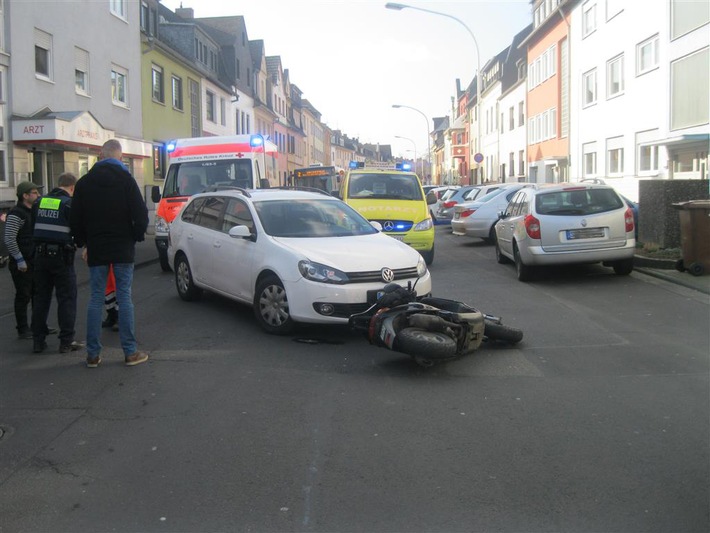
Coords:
577,202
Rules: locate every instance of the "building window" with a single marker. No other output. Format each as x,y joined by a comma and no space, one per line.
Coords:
223,111
511,164
689,90
118,8
589,18
648,158
145,17
615,77
613,8
119,85
43,54
521,163
158,158
81,71
589,160
210,107
511,118
615,157
158,85
521,113
688,16
647,55
589,85
177,93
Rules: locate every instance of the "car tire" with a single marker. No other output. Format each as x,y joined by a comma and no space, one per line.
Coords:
429,345
271,307
185,285
524,272
623,267
163,258
500,332
428,256
502,260
492,238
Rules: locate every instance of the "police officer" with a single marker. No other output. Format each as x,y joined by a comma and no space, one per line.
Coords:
54,266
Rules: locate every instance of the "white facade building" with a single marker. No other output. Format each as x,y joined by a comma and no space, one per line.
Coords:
70,91
627,122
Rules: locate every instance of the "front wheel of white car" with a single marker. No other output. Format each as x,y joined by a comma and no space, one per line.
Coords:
271,307
183,280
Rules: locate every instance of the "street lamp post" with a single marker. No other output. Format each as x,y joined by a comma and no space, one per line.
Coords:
428,138
399,7
415,149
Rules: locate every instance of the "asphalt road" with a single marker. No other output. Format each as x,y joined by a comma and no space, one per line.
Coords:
598,421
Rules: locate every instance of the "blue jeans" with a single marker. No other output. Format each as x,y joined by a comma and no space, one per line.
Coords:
123,272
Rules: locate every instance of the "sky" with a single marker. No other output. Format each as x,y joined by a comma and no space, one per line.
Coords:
354,59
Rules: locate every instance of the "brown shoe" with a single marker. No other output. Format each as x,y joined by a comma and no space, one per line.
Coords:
136,358
93,363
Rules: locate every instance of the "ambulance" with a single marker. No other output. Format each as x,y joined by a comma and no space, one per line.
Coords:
206,163
392,195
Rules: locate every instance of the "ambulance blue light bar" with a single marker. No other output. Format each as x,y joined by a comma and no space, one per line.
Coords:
356,164
256,140
170,146
403,166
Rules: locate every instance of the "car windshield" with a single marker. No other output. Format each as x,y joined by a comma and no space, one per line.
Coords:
577,202
385,186
311,218
186,179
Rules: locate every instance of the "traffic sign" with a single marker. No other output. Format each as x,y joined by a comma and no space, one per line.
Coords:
478,158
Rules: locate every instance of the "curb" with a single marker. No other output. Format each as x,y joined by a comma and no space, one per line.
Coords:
651,262
678,280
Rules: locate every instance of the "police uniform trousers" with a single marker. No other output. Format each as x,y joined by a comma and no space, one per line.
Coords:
54,272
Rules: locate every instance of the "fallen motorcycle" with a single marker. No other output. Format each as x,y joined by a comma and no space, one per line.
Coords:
428,329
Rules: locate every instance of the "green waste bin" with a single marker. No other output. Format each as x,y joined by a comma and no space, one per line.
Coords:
694,236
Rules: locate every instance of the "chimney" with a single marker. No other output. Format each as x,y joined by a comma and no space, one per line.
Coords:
185,12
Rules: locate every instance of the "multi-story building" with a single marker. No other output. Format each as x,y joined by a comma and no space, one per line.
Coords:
278,93
296,134
639,95
512,145
264,115
548,91
69,91
315,148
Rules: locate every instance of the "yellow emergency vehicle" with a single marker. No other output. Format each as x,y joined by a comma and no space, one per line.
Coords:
392,195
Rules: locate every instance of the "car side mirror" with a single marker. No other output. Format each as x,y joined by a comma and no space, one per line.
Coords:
502,214
431,198
155,193
242,232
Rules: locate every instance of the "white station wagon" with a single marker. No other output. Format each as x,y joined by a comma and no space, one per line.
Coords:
566,223
295,256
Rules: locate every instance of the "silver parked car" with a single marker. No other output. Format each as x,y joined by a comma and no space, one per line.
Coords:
566,223
478,218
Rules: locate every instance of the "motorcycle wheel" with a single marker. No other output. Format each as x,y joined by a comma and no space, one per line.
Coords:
500,332
426,344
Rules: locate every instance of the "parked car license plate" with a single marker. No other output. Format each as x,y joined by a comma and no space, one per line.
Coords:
585,233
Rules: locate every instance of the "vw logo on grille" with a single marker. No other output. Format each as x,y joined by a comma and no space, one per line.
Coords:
388,225
387,275
584,222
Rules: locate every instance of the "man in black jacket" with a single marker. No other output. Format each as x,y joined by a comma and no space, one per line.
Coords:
54,266
109,216
18,239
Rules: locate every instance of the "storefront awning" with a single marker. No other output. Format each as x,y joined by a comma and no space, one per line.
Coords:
72,129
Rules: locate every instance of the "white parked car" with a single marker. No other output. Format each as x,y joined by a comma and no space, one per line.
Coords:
566,223
478,218
295,256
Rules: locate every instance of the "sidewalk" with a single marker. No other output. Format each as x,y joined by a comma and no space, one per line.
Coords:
146,254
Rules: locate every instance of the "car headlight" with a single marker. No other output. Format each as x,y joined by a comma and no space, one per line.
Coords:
424,225
421,267
322,273
161,225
